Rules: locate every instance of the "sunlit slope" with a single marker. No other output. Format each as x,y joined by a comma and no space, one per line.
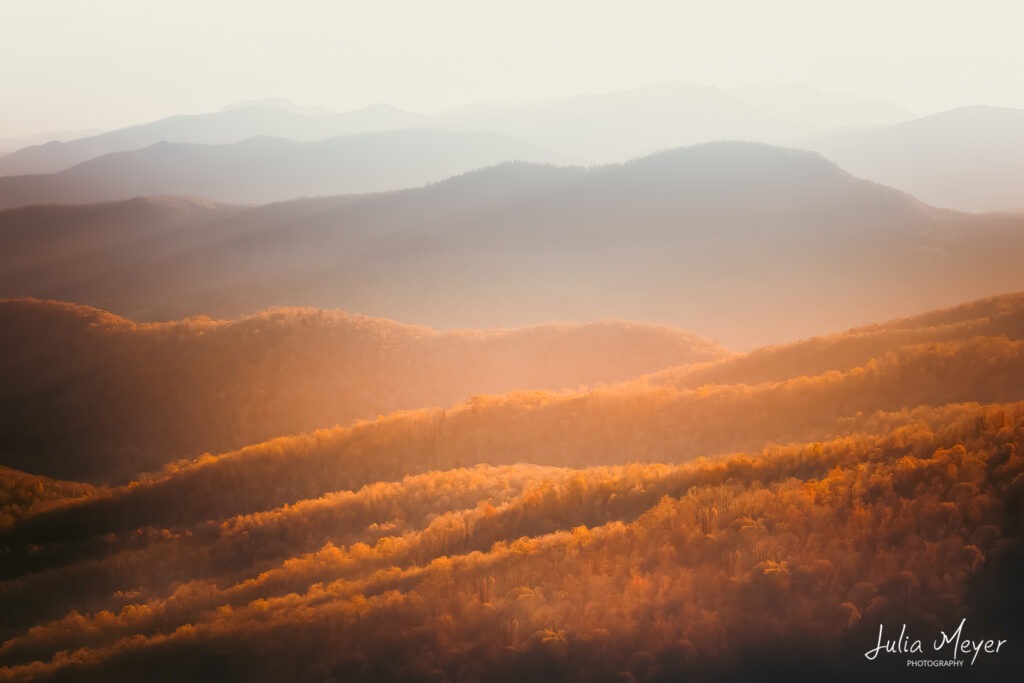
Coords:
717,570
1000,316
90,394
871,477
746,243
613,426
23,495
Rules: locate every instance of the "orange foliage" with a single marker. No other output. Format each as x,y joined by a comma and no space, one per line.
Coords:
741,518
125,397
813,541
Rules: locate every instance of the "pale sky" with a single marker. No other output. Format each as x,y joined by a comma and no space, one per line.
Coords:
108,63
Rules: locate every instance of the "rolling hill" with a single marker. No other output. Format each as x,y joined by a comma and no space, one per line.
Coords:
1000,316
723,238
654,418
63,242
591,128
126,397
265,169
562,536
230,125
970,158
601,427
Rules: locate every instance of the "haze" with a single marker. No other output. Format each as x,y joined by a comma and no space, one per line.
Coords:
64,64
455,342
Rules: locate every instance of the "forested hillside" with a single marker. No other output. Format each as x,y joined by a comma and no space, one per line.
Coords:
719,568
748,516
126,397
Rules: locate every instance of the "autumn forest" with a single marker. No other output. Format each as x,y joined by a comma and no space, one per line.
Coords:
491,342
592,512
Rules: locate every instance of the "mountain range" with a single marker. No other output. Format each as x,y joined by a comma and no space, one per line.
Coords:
970,158
264,169
664,384
594,128
966,159
723,238
230,125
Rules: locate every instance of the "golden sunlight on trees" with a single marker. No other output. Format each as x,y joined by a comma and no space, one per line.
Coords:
126,397
626,564
720,520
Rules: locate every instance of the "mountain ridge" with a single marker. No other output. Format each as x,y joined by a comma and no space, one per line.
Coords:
751,113
264,169
967,158
517,244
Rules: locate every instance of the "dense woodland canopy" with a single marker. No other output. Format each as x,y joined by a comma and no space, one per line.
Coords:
652,570
738,516
125,397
